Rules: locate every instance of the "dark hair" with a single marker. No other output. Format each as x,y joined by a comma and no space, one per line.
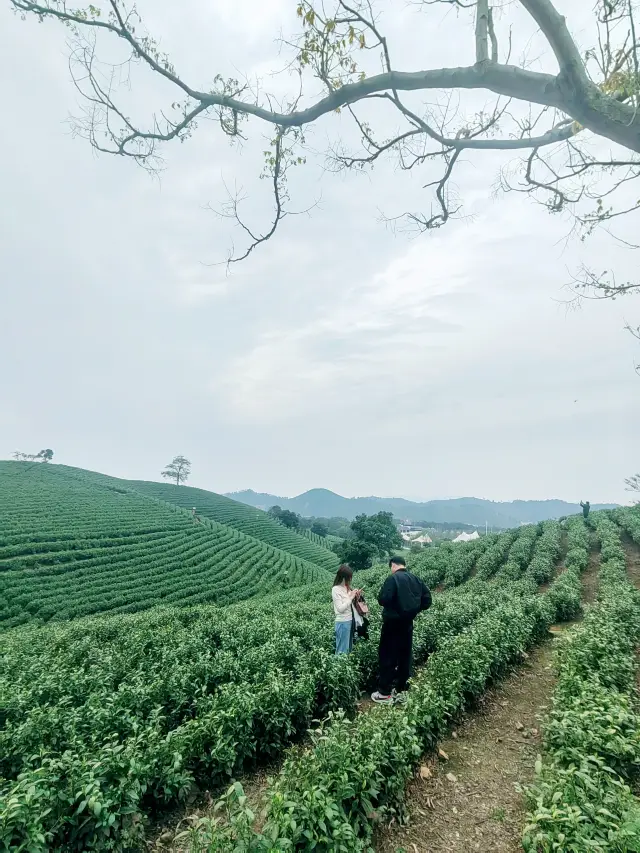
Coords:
397,561
344,574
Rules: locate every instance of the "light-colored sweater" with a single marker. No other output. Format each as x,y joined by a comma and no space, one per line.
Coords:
342,600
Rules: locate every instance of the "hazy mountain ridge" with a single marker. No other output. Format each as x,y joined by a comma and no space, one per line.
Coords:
324,503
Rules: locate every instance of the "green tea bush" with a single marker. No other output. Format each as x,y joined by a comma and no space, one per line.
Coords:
137,710
72,544
582,799
352,777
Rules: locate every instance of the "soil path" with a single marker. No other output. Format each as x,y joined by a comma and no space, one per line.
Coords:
471,800
590,578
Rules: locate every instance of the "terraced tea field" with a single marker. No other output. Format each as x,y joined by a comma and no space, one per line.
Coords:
108,722
73,543
253,522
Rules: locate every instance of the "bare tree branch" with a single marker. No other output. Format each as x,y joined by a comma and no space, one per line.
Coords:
555,30
597,94
278,168
603,286
507,80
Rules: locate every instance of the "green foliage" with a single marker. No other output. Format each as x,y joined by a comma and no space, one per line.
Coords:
378,530
320,528
352,777
327,542
373,537
358,554
495,554
73,544
449,564
629,520
247,519
582,799
566,593
230,830
104,719
285,516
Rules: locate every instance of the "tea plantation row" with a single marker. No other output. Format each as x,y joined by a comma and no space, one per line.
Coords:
583,797
332,795
103,721
73,544
247,519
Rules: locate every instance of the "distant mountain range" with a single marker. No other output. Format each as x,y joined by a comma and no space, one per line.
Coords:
323,503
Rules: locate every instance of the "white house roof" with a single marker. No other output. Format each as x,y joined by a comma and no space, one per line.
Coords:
467,537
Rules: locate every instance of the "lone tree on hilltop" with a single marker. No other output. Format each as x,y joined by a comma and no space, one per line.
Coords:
42,456
373,536
358,554
285,516
178,469
379,530
558,122
320,528
290,519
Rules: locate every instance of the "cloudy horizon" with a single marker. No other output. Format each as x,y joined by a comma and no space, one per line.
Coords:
343,354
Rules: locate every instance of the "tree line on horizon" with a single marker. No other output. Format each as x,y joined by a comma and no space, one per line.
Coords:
179,470
45,455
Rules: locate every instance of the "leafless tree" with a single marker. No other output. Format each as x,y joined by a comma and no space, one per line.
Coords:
576,131
178,469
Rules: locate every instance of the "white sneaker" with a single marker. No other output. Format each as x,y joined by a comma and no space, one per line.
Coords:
381,699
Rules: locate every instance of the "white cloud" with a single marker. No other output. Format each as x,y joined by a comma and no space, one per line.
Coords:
420,322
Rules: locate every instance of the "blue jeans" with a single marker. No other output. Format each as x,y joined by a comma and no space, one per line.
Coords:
344,637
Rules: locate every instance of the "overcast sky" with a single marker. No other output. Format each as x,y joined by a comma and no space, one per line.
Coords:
342,354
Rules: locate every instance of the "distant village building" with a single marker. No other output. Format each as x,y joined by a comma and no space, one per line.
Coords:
421,539
407,527
467,537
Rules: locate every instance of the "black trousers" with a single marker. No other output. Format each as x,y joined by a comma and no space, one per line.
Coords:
395,654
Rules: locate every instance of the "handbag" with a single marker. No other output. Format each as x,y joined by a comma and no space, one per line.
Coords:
361,618
361,606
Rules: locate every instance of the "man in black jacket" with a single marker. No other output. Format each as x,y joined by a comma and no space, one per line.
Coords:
402,597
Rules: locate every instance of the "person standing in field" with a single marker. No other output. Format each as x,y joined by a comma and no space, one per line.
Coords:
343,597
585,509
402,597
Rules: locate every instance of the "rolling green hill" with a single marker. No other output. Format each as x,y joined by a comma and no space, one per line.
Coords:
242,517
74,543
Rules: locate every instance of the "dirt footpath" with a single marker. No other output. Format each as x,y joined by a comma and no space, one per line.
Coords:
471,800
